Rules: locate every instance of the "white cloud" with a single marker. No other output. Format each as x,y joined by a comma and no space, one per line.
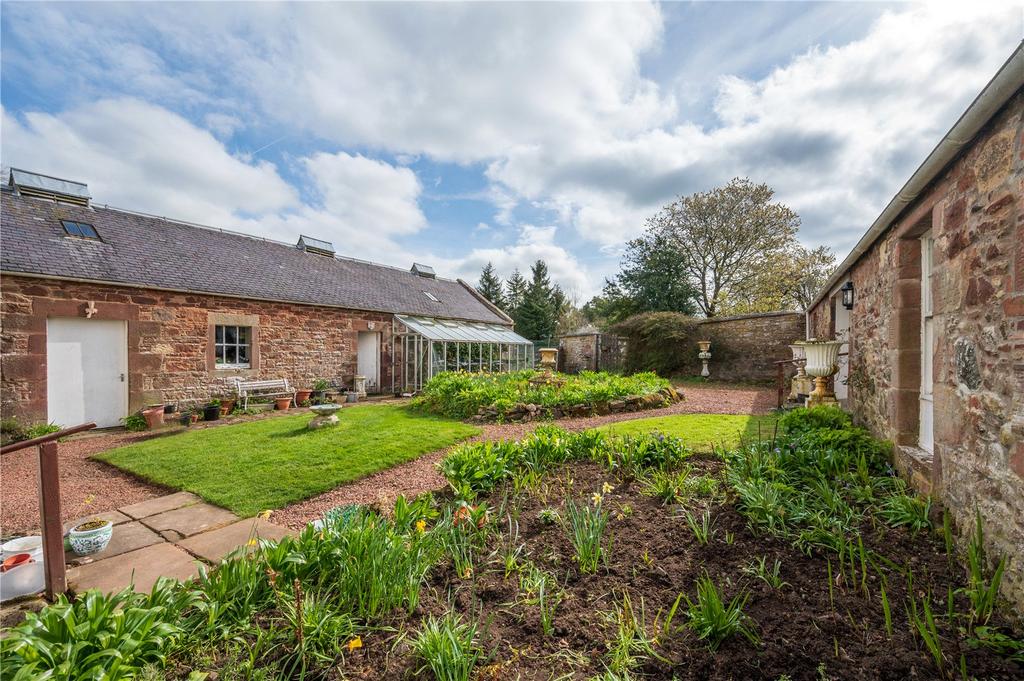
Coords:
141,156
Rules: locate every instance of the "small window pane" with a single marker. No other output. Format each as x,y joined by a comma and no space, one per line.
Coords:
230,334
87,231
230,354
243,335
219,334
243,354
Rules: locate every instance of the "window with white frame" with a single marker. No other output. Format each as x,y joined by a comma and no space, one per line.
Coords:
232,346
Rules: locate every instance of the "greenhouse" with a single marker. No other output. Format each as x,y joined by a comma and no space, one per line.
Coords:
430,346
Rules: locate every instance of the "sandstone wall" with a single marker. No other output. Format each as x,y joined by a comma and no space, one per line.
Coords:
746,347
590,352
170,341
974,211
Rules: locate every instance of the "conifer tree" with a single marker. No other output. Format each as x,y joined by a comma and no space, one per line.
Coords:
490,286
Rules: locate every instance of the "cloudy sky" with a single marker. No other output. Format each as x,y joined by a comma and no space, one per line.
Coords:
456,134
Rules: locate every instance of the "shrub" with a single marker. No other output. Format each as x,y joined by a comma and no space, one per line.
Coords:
797,421
460,394
134,422
447,647
11,430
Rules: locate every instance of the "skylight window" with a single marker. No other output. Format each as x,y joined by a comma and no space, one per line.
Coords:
430,295
82,230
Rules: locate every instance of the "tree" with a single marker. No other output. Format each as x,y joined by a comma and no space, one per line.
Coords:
537,316
515,290
490,286
809,270
722,238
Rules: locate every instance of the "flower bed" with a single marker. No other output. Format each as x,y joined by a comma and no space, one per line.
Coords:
581,556
526,395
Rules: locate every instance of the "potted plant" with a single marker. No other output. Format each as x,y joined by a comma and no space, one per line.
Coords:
211,412
154,415
170,408
302,396
320,387
185,418
91,536
227,404
283,403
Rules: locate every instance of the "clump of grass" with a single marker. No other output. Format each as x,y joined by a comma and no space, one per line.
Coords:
586,526
714,620
631,644
769,575
981,591
904,510
448,648
703,529
540,588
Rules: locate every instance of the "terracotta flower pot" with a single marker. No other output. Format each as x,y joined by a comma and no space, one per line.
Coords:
226,406
283,403
154,417
302,395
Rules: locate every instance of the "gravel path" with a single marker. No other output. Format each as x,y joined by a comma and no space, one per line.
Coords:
420,475
89,486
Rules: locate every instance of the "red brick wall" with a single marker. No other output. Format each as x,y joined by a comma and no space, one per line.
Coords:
169,341
976,216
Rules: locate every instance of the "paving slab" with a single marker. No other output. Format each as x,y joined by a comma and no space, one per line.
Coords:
189,520
115,517
127,537
141,568
216,544
169,502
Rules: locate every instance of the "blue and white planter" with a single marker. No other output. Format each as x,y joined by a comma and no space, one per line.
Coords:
91,541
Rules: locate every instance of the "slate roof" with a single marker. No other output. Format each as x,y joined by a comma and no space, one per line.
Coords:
155,252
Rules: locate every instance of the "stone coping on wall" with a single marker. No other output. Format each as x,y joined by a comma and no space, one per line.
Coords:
752,315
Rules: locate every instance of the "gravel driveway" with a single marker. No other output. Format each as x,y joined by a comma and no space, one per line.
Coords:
89,486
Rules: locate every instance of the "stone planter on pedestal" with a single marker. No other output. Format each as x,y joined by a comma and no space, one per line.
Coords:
801,385
704,355
549,359
822,362
326,415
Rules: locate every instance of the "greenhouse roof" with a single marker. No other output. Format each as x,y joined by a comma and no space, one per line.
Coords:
466,332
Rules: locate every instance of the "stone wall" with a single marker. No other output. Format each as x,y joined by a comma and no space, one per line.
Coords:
746,347
170,351
590,352
975,215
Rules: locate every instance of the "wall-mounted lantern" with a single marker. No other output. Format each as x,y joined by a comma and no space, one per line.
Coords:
847,291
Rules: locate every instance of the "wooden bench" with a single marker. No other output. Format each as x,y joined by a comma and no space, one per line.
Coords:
277,387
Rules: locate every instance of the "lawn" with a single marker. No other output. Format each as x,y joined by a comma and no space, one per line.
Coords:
267,464
701,431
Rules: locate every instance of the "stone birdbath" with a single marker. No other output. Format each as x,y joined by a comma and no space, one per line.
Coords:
326,415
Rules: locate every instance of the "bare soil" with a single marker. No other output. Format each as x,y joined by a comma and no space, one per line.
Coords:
806,630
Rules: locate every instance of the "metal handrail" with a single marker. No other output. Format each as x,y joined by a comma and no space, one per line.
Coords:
43,439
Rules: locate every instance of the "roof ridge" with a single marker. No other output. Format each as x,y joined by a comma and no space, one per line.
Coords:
232,232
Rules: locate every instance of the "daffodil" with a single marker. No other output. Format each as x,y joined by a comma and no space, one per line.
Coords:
357,642
253,542
596,498
265,515
607,488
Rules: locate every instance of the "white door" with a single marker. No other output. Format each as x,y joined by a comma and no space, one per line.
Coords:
926,438
86,371
842,334
368,359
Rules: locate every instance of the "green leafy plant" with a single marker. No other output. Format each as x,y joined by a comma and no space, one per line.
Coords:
448,647
97,636
586,526
714,620
631,644
702,529
540,588
903,510
981,591
134,422
797,421
769,575
548,516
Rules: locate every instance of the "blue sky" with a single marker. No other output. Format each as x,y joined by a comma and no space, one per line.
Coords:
456,134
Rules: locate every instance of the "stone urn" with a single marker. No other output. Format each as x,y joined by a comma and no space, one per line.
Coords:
704,355
801,383
359,386
822,360
326,415
549,359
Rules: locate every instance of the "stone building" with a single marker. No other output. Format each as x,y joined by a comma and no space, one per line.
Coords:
936,327
105,310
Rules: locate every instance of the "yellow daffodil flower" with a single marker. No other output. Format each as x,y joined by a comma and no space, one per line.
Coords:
357,642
